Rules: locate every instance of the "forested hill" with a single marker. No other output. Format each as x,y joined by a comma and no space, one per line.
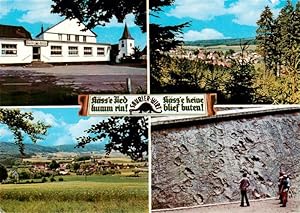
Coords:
99,147
215,42
11,149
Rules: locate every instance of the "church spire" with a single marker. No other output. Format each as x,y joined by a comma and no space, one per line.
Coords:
126,33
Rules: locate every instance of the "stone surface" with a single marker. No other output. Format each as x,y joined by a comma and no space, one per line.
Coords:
196,164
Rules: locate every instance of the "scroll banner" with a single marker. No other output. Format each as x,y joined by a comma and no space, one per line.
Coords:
147,105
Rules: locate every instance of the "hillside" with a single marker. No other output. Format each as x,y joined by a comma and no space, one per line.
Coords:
88,148
215,42
12,150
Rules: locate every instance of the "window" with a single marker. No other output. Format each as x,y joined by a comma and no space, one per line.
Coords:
84,38
60,37
130,44
87,51
9,49
122,43
69,37
100,51
76,37
56,50
73,50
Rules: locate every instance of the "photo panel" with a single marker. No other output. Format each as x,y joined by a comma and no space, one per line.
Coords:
205,164
53,160
54,50
247,52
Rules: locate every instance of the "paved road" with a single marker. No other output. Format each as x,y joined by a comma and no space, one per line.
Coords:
266,206
86,77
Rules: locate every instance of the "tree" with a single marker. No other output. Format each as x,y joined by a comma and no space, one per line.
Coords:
240,87
162,40
128,135
266,43
295,37
22,122
94,12
76,166
137,54
53,165
283,27
3,173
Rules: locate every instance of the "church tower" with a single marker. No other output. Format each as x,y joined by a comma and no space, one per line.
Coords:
126,44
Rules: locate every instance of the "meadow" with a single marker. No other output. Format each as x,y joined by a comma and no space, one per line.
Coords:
108,194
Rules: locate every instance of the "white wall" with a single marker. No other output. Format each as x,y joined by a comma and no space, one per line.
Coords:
70,27
54,37
24,53
65,57
127,50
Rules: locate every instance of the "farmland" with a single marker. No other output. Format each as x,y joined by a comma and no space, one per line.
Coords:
110,193
76,184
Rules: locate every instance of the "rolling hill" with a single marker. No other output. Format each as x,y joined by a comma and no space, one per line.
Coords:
10,149
215,42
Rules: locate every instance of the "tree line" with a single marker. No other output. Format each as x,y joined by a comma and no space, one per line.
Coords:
278,39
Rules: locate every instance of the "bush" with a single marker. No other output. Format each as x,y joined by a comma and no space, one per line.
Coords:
47,174
44,180
60,179
52,179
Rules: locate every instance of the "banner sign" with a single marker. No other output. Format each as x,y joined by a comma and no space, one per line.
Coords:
142,105
36,43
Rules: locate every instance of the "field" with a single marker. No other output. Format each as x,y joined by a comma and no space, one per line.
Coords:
78,194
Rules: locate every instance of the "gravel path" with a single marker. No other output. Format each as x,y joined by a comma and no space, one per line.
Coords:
86,77
265,206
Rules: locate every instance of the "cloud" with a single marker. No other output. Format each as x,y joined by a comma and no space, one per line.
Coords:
205,34
38,11
77,130
244,12
5,133
63,139
201,10
35,11
47,118
248,12
129,20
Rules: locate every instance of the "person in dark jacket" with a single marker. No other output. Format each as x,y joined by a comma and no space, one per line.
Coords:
244,184
280,186
285,189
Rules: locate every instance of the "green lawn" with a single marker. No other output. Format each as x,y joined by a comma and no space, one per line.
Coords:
74,194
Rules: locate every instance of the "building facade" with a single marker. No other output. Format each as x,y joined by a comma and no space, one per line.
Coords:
65,42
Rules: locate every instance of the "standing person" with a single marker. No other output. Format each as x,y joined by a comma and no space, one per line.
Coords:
285,189
280,186
244,184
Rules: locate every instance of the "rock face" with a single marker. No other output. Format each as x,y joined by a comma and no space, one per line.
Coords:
198,163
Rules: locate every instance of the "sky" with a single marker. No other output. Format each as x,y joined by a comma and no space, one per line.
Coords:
32,14
217,19
66,126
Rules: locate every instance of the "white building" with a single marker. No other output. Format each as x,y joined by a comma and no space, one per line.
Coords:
65,42
126,44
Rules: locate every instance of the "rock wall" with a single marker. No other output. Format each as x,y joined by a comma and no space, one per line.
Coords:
198,163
